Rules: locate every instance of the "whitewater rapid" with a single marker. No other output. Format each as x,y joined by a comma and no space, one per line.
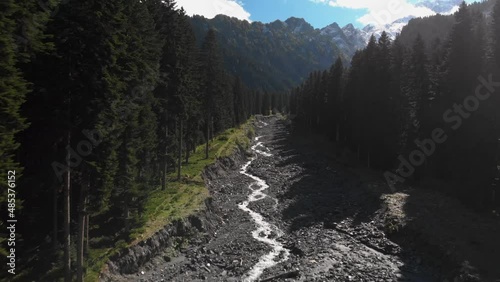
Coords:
265,232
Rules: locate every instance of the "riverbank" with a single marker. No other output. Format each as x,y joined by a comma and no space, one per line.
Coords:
335,220
312,201
174,211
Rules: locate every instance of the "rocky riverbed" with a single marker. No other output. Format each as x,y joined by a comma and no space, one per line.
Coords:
290,213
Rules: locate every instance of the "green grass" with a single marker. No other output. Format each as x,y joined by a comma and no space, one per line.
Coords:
181,198
237,138
95,261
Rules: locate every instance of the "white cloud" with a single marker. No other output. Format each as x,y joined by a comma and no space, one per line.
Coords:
212,8
381,12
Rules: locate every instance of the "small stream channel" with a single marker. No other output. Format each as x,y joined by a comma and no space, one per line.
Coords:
266,232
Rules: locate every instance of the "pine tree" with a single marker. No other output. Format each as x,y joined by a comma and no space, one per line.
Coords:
398,54
494,113
213,78
354,103
164,16
13,90
22,37
495,35
418,84
464,65
370,100
334,99
239,102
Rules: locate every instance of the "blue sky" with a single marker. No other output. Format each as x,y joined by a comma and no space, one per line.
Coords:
319,13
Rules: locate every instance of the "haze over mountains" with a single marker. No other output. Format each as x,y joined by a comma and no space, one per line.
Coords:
279,55
274,56
443,7
350,38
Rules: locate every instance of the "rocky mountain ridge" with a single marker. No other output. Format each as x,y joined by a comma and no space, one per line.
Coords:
279,55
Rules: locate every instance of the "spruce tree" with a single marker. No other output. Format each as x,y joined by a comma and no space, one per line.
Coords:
334,100
13,89
239,106
212,81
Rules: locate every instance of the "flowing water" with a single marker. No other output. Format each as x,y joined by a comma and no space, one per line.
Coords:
265,232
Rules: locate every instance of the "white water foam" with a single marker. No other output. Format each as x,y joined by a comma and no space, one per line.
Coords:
264,229
259,144
263,124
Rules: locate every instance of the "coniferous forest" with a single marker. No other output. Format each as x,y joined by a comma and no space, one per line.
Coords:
105,103
424,111
123,87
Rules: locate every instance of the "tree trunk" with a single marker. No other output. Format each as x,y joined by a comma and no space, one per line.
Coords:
67,215
127,219
179,158
87,238
188,151
207,125
55,245
212,129
81,229
164,173
79,249
164,169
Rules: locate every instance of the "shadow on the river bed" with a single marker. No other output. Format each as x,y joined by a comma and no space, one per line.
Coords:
319,189
325,193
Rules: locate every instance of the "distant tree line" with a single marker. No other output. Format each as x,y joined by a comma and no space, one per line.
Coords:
429,111
100,101
274,57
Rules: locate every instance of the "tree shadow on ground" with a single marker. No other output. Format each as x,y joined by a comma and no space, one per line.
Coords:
465,242
323,191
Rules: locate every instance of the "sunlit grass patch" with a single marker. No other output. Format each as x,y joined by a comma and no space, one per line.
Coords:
237,138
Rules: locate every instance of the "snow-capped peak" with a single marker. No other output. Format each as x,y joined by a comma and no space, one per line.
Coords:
362,36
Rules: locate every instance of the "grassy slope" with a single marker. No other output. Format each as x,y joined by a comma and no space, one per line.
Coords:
180,199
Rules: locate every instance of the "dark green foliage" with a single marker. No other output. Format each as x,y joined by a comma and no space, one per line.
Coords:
334,111
13,90
127,82
429,29
395,94
495,31
213,86
22,36
271,57
240,110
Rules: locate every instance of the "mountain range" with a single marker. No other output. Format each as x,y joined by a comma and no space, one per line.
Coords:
355,38
279,55
275,56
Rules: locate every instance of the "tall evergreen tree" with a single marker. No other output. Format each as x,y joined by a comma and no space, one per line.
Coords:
213,81
334,101
239,102
13,90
